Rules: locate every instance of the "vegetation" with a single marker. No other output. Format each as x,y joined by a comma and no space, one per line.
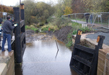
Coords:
32,27
75,27
61,6
37,12
59,21
49,27
48,17
74,32
82,6
67,10
69,38
4,8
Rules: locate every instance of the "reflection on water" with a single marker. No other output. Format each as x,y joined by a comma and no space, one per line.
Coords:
39,59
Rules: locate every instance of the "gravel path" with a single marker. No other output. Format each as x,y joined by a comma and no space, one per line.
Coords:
94,36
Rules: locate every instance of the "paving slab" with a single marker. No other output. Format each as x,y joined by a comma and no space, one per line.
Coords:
3,68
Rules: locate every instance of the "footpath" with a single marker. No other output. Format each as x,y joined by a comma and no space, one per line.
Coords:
99,31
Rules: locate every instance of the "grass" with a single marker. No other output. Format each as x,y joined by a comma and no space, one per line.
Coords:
96,22
74,32
75,27
69,38
32,28
49,27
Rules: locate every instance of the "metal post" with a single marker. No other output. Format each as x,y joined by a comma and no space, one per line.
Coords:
75,18
101,18
108,22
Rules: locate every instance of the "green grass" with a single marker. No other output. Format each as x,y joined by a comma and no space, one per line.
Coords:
74,32
85,30
69,38
27,27
96,22
32,28
77,26
49,27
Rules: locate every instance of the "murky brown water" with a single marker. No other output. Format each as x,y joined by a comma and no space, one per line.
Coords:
40,59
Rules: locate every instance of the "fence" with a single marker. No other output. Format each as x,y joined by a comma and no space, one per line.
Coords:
100,19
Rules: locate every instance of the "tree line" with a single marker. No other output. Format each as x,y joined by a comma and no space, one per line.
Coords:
4,8
39,12
90,6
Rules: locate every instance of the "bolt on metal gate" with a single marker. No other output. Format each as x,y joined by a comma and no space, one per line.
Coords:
84,60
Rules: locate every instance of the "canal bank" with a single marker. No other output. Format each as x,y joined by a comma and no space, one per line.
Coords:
40,56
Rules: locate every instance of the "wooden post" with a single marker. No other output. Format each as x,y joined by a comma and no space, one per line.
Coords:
18,53
22,11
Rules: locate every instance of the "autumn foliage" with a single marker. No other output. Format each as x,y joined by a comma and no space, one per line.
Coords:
6,9
67,10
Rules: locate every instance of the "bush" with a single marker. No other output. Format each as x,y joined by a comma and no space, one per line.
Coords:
86,29
74,32
59,22
49,27
77,26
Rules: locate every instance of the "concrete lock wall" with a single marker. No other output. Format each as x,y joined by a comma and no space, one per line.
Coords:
7,63
103,56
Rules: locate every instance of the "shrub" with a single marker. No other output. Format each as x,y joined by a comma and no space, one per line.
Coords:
49,27
74,32
77,26
59,22
86,29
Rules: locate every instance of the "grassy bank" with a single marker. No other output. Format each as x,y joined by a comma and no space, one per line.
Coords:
62,28
32,27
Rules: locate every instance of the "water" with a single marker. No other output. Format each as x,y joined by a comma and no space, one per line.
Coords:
40,59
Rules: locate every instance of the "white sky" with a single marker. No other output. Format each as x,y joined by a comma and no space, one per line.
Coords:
16,2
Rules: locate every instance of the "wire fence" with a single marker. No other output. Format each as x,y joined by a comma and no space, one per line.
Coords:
100,19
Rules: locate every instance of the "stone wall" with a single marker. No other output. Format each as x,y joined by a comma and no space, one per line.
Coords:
103,62
7,63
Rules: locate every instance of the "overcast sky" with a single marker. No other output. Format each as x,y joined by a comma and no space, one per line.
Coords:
16,2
